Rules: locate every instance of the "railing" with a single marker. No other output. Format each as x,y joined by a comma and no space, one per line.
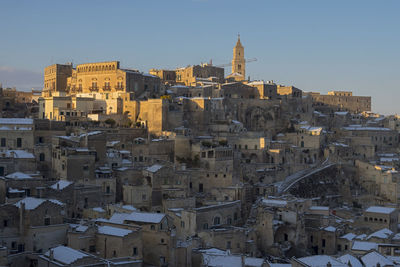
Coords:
93,88
119,87
106,88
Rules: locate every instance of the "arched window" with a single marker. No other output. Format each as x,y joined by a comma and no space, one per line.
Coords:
41,157
229,221
217,220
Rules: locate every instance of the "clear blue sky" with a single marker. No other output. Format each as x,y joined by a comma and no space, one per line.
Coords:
314,45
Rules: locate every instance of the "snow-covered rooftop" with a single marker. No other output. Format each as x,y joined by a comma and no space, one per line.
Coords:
365,128
66,255
16,121
129,207
17,154
274,202
379,209
81,228
364,246
60,185
348,236
373,258
13,190
32,203
114,231
350,258
146,217
19,175
321,260
330,229
154,168
383,234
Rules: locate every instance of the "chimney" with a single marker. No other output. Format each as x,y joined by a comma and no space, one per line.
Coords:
329,264
51,255
58,186
243,258
87,139
22,217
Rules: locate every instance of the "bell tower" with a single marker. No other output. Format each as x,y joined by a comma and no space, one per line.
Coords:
238,61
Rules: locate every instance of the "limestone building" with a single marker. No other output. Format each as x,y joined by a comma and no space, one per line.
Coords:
341,100
108,77
55,77
99,88
191,74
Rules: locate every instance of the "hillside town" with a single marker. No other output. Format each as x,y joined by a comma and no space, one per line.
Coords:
112,166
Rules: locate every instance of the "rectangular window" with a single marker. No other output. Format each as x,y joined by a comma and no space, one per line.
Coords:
135,251
107,86
323,243
19,142
3,142
46,221
21,247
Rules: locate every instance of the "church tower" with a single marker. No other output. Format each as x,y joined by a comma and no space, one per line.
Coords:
238,61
